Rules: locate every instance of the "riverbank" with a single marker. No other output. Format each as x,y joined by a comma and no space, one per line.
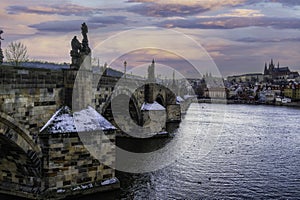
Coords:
226,101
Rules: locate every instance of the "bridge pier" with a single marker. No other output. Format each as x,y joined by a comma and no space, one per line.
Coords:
77,158
28,99
63,159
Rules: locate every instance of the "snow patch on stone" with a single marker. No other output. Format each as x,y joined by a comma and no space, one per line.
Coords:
152,106
64,121
179,99
110,181
61,122
83,187
188,96
90,120
60,191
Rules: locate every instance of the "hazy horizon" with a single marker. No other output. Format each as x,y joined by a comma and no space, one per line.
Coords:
238,35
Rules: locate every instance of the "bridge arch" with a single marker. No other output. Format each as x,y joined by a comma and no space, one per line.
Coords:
13,130
164,96
20,163
160,99
135,112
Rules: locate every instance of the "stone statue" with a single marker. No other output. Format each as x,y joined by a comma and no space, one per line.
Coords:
84,30
75,53
85,42
80,50
1,37
1,53
76,45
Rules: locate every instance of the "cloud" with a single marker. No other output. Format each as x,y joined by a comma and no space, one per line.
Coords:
202,3
143,57
58,26
267,40
170,8
232,23
285,2
290,3
56,9
156,10
74,25
180,8
239,13
107,20
53,48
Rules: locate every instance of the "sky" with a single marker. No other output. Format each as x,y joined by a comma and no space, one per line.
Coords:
233,36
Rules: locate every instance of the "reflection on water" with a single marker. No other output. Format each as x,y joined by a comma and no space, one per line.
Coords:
256,155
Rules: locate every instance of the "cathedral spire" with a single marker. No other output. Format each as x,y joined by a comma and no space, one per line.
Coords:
272,66
266,68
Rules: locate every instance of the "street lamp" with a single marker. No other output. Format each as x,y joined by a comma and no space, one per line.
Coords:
125,65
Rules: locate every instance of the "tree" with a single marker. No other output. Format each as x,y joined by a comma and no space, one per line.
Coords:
16,53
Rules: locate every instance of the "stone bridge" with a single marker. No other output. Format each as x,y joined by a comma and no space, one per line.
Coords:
37,163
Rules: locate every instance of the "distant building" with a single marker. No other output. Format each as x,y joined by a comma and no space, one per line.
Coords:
255,77
215,93
215,88
292,91
278,73
267,96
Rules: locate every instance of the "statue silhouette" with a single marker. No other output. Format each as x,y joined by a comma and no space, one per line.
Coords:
1,31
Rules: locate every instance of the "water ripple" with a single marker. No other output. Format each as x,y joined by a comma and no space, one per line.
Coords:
257,156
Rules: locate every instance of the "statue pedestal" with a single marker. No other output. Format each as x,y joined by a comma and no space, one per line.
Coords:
82,91
1,56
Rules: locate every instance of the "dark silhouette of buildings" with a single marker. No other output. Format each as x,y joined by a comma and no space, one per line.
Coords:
276,72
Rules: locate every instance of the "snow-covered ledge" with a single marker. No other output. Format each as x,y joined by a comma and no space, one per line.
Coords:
152,106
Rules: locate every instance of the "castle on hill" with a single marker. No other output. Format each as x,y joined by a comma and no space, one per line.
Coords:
278,73
271,73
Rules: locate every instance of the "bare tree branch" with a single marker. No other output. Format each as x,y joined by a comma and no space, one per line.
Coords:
16,53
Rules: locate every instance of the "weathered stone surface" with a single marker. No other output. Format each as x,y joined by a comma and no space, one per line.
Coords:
31,96
72,165
71,161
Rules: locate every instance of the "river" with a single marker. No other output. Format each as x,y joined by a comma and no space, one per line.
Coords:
255,154
221,152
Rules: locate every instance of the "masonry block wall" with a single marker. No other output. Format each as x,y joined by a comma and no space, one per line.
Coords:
18,173
30,96
70,165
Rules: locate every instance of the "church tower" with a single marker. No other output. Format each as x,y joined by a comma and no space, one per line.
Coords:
266,71
151,72
149,88
272,66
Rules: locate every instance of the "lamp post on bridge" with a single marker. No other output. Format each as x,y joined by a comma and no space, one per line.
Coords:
125,65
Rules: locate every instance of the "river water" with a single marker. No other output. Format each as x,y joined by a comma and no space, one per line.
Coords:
254,154
221,152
